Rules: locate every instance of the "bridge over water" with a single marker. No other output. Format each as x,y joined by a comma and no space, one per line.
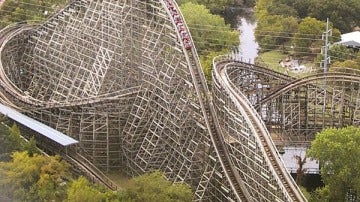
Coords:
124,79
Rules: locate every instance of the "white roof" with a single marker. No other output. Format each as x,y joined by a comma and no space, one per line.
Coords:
352,36
37,126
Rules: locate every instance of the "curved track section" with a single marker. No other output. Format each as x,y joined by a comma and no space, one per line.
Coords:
295,110
252,151
306,106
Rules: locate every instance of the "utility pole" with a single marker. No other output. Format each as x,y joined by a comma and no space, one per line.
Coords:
327,33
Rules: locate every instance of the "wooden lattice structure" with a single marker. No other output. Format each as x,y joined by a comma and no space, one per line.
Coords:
123,78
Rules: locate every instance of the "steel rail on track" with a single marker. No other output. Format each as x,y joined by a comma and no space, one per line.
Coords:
7,34
220,67
211,121
306,80
262,70
122,94
89,169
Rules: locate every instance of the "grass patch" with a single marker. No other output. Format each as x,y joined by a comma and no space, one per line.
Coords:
272,58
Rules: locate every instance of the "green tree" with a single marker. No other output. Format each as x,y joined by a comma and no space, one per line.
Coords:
300,6
341,53
338,152
206,62
28,10
273,31
262,8
210,34
30,147
36,178
82,190
343,13
347,64
153,187
283,10
308,39
209,31
12,141
54,174
215,6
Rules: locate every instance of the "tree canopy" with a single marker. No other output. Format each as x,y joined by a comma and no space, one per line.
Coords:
48,178
210,34
343,13
153,187
81,190
338,152
209,31
308,36
349,63
28,10
274,30
11,141
215,6
36,178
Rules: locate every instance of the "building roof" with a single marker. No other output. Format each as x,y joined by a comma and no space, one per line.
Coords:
351,44
351,39
311,166
37,126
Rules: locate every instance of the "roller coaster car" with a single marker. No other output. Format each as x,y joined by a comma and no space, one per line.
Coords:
187,45
180,27
170,5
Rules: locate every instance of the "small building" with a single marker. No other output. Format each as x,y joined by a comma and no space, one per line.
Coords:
350,40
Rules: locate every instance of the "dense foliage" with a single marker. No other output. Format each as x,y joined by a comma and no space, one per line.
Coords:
11,141
343,13
215,6
28,10
274,31
338,152
26,175
307,38
219,6
154,187
296,28
353,62
48,178
36,178
210,34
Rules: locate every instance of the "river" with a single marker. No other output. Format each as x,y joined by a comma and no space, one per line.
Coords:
243,20
248,48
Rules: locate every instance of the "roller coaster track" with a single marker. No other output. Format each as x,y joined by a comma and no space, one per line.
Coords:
124,78
347,77
221,77
91,171
212,123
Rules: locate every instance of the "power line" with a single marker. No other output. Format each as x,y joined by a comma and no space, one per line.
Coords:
213,40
